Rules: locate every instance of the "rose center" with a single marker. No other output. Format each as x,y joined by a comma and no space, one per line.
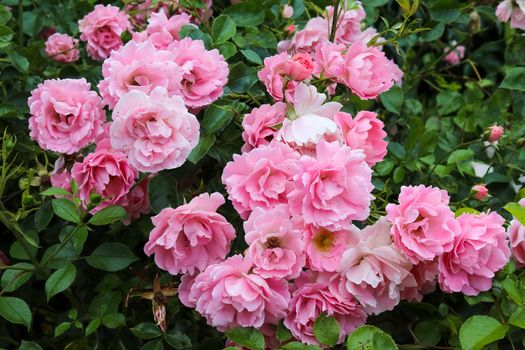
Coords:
324,240
272,242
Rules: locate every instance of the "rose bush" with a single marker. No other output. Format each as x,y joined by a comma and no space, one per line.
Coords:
262,174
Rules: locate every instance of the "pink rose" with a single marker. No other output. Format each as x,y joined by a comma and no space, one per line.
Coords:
334,188
66,115
300,66
365,132
136,202
495,133
105,173
423,226
287,11
155,130
348,27
318,294
139,11
480,249
480,192
325,248
507,10
275,243
204,73
191,237
329,61
167,29
101,29
62,48
273,75
139,66
261,125
425,275
456,55
516,232
261,177
305,40
504,10
228,295
184,290
374,271
368,72
61,177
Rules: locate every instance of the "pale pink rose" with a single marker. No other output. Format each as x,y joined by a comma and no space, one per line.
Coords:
228,295
190,237
365,132
312,119
275,243
66,115
317,294
106,173
423,226
368,34
136,202
101,29
455,55
261,177
495,133
205,73
425,275
62,48
300,66
305,40
480,192
518,16
348,28
287,11
334,188
139,66
480,249
163,31
374,271
504,10
368,72
329,61
273,74
156,131
325,248
184,290
261,125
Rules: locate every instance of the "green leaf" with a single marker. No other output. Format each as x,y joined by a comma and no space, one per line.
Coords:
43,216
113,320
517,210
111,256
479,331
222,29
153,345
202,148
326,330
163,192
445,11
227,50
484,297
252,56
60,280
461,211
12,278
282,334
61,328
19,62
15,310
29,345
448,102
241,77
370,338
393,99
108,215
428,333
247,337
246,14
6,35
514,79
178,340
215,117
146,331
511,287
55,191
93,326
518,318
66,209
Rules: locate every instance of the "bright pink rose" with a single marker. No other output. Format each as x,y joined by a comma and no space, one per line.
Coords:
62,48
167,30
155,130
287,11
228,295
105,173
66,115
300,66
333,189
325,248
480,249
480,192
495,133
312,119
318,294
365,132
275,243
136,202
368,72
191,237
329,61
456,55
261,177
305,40
374,271
101,29
205,73
348,27
139,66
261,125
273,74
423,226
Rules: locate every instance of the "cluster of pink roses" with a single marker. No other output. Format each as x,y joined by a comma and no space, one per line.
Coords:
149,83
